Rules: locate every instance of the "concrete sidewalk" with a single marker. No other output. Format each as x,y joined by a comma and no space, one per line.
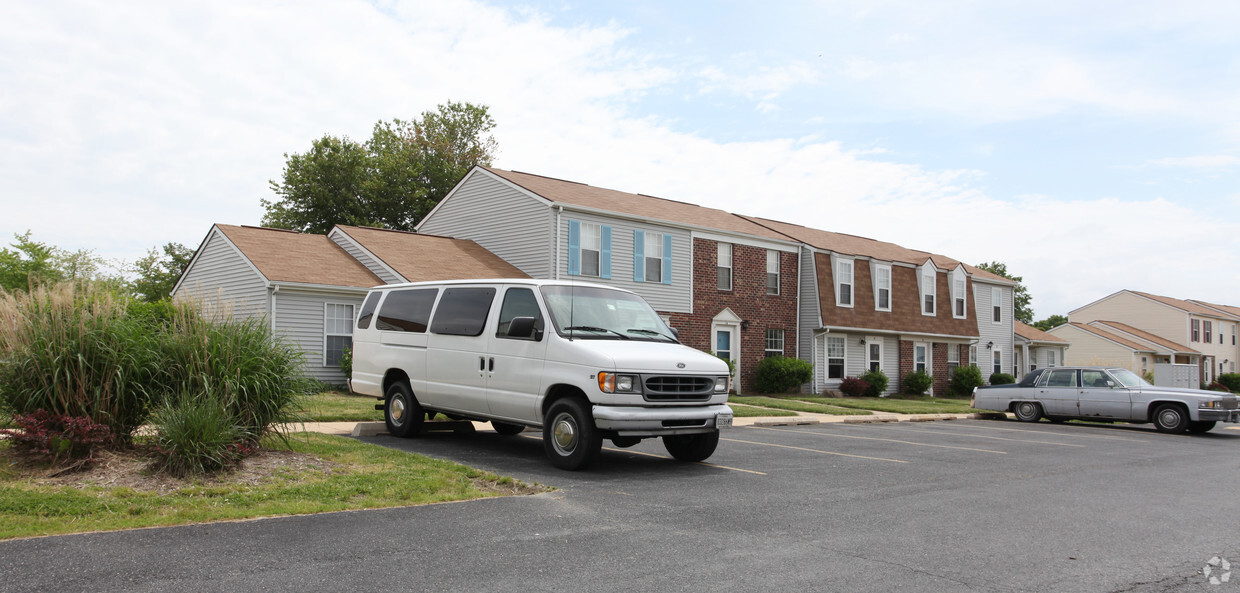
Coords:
802,419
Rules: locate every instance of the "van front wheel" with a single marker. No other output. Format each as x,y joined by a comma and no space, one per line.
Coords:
569,436
691,447
401,411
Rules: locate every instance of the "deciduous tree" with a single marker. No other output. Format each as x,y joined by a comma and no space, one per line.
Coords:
1022,307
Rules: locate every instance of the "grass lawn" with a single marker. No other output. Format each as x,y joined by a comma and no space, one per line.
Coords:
903,405
747,411
826,406
333,406
312,473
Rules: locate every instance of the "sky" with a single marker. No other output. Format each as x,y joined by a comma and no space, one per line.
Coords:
1090,146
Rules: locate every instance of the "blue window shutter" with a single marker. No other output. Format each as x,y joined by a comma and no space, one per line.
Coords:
574,248
667,258
639,256
604,256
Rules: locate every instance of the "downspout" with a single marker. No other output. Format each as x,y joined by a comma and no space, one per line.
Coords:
798,315
272,308
559,209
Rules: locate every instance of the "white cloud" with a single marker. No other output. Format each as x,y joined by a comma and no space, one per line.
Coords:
1209,161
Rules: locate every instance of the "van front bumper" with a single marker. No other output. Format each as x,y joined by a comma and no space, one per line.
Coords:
633,421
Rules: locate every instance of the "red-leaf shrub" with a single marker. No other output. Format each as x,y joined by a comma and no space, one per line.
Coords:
53,437
854,387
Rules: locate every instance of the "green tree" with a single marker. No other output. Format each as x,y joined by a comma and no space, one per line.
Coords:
391,181
1024,313
1052,321
33,263
157,273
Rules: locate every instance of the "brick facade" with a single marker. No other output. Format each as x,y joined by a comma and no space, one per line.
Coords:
747,299
937,366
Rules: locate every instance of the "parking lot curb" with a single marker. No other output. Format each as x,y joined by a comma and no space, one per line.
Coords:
869,419
786,421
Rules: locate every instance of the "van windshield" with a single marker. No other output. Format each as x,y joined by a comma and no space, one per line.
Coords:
603,314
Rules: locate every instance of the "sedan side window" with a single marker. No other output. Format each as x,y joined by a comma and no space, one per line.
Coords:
1093,379
1063,378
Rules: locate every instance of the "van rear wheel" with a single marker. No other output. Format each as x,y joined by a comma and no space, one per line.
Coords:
569,436
691,447
401,411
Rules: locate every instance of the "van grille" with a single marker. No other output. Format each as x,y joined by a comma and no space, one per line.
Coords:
678,388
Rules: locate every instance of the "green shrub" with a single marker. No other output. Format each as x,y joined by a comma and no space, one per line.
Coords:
195,433
854,387
1230,380
877,381
964,380
781,374
71,350
1148,376
1001,379
242,362
346,364
917,383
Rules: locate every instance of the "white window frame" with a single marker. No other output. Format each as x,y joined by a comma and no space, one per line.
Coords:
772,269
926,362
841,282
330,331
960,287
1207,331
973,354
996,359
774,342
882,272
653,244
724,251
843,357
928,279
1051,361
953,358
591,240
996,304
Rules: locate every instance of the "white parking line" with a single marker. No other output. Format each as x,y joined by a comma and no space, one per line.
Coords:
814,451
977,436
1113,437
853,436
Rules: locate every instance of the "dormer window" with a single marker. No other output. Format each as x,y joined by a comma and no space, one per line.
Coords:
929,292
882,287
844,283
960,285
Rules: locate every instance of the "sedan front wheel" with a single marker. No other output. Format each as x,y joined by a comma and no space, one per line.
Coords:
1171,418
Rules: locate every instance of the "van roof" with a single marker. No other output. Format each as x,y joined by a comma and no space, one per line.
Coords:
519,281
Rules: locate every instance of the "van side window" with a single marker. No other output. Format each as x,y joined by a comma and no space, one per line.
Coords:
463,311
368,310
407,310
518,302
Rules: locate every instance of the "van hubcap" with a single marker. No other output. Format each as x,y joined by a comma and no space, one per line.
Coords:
397,410
564,434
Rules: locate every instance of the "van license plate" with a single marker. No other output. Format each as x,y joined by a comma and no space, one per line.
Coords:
723,421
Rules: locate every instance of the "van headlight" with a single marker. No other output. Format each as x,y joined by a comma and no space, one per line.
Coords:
614,383
721,384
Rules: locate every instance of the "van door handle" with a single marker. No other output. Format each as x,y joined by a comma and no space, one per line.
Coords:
492,368
482,363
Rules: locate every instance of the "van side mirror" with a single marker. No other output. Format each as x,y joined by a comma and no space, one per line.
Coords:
522,327
675,333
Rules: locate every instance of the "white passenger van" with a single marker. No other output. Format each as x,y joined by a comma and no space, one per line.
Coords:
583,362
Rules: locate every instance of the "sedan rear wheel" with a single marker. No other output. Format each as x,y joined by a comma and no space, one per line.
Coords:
1028,411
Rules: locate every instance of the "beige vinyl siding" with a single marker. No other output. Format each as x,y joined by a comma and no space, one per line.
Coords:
1091,350
299,319
676,297
222,280
507,222
1138,311
988,331
353,249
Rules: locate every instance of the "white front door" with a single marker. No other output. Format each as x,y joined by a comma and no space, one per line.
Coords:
725,341
921,360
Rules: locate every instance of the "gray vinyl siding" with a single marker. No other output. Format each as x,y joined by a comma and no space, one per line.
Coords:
507,222
988,331
220,279
356,252
808,314
676,297
300,318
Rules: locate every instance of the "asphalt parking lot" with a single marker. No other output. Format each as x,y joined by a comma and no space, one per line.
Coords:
963,505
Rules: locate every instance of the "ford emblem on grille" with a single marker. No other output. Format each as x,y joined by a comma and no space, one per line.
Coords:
680,365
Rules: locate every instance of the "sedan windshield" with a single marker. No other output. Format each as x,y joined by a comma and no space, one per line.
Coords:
1128,378
603,314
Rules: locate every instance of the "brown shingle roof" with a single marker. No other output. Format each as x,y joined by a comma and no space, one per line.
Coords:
1181,304
287,256
580,194
1144,335
880,250
1102,333
419,257
1034,334
1228,309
